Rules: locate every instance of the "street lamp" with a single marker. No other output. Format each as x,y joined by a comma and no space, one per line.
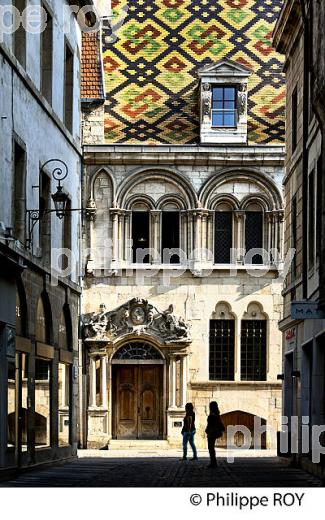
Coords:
60,199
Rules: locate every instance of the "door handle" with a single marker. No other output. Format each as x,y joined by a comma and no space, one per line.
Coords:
138,410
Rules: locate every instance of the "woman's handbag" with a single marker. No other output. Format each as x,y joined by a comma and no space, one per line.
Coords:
215,430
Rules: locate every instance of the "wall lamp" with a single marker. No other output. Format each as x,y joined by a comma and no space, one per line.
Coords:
60,199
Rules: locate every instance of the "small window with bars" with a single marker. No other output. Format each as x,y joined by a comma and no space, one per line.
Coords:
224,107
222,350
253,350
254,234
223,237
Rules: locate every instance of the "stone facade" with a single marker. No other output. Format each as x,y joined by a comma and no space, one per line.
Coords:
299,35
118,179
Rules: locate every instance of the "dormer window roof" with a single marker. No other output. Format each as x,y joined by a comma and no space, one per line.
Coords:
223,102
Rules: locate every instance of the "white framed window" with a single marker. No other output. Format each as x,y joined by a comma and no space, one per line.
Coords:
223,102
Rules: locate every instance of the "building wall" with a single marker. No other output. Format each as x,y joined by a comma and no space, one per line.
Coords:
194,296
303,361
37,126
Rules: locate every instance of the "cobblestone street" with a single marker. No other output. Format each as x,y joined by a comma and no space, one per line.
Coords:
164,469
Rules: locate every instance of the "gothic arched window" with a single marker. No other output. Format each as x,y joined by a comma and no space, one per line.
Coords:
253,344
223,229
254,218
140,233
222,344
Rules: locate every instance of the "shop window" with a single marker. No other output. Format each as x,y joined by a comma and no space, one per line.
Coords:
253,350
222,350
64,411
11,405
43,380
170,224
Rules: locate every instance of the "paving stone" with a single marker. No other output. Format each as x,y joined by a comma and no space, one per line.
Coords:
160,470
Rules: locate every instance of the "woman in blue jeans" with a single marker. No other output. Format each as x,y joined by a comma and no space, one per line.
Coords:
188,431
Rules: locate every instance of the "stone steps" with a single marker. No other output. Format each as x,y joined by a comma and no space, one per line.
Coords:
137,444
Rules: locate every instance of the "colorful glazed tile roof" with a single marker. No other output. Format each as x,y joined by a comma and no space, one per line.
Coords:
91,70
152,54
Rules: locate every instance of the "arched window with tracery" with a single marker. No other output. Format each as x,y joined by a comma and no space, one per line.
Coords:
222,344
223,233
253,344
254,232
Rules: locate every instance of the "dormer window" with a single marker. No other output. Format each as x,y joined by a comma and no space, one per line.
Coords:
224,107
224,103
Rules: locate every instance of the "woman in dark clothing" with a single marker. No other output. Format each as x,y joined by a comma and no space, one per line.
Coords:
188,431
214,430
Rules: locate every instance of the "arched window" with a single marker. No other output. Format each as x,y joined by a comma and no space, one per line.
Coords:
65,329
140,232
42,333
222,344
223,233
137,350
254,218
253,344
170,232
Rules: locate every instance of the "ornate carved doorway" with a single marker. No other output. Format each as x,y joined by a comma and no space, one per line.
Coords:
137,371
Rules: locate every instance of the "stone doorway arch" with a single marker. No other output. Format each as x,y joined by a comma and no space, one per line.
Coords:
138,370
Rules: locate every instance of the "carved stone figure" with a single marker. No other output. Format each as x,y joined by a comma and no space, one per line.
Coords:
206,99
136,317
242,100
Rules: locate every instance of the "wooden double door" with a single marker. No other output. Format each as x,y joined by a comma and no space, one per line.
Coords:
138,401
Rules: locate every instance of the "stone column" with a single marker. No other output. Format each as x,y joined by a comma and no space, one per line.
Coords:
198,234
210,236
115,234
183,231
240,244
281,237
156,216
269,219
276,234
103,381
190,234
127,237
204,228
237,351
92,382
121,239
